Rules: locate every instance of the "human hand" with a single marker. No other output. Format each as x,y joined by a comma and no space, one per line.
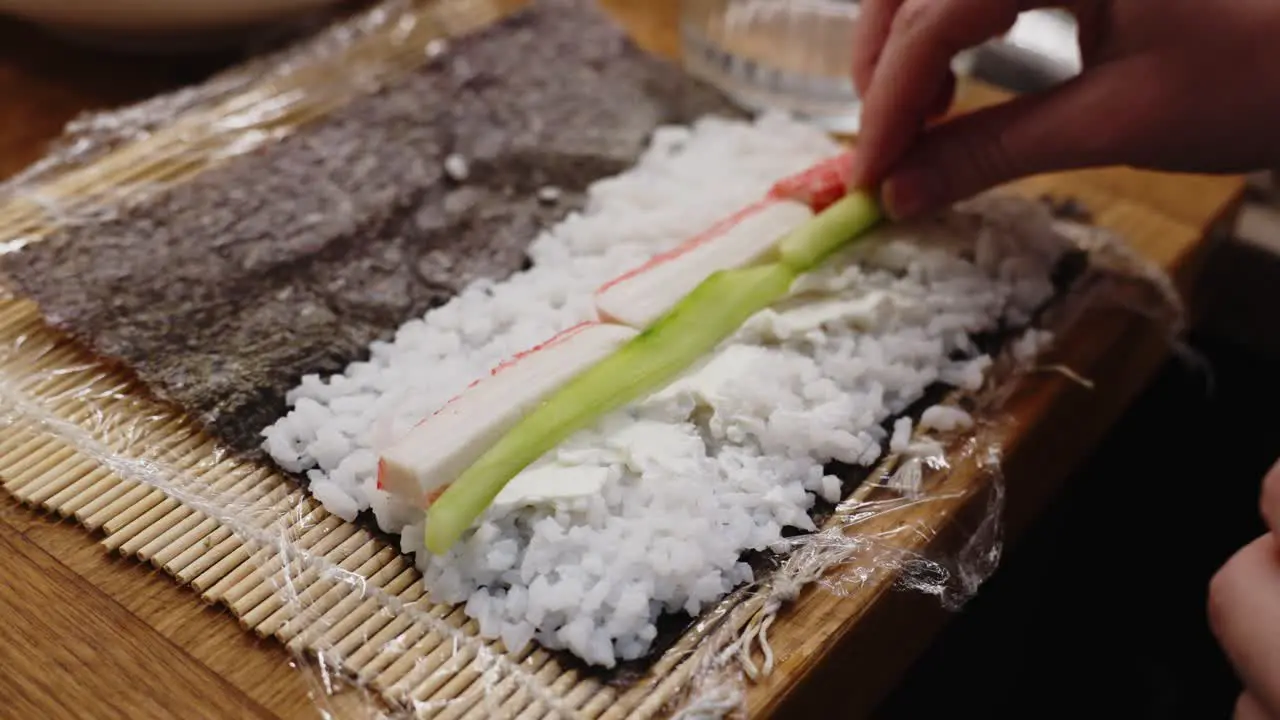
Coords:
1184,85
1244,612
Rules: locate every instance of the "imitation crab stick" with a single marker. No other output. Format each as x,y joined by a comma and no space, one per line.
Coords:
699,322
641,296
434,453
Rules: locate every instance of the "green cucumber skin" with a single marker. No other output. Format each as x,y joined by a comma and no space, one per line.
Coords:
808,245
713,311
709,314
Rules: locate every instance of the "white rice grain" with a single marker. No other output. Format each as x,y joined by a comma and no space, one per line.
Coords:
945,418
456,167
901,435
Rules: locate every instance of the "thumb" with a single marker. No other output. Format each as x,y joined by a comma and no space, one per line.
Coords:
1271,499
1094,119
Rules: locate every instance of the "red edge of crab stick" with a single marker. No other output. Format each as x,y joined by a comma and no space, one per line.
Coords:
816,187
420,465
819,185
719,228
559,338
641,296
556,339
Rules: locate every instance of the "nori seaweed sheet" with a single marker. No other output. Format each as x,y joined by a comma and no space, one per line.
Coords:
222,292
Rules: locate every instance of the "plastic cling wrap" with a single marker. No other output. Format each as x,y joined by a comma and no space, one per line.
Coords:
83,439
105,159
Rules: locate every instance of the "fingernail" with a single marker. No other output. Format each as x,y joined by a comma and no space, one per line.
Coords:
908,193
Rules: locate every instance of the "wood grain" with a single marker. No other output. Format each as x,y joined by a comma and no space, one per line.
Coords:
69,650
157,651
209,634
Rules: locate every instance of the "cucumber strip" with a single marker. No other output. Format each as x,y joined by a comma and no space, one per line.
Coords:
694,327
808,245
711,312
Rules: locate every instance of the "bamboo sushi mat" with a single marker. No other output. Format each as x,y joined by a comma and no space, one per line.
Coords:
83,440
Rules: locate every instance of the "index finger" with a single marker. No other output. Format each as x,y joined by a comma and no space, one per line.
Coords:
923,38
870,32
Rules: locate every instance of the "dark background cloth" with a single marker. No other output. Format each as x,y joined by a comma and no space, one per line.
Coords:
1100,611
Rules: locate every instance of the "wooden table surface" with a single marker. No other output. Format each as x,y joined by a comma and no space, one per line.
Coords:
89,634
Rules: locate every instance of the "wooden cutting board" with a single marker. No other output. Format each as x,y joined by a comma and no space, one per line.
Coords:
96,634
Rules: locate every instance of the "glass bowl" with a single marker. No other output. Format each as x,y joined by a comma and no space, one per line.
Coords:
792,55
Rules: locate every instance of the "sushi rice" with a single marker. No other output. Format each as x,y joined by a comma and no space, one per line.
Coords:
719,462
